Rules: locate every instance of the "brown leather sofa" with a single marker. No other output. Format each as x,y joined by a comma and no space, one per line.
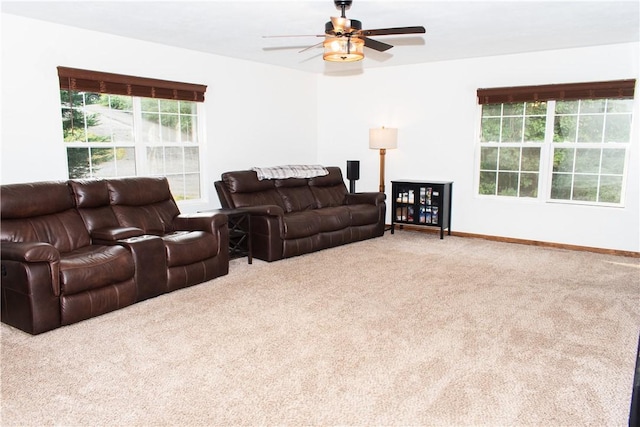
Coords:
295,216
78,249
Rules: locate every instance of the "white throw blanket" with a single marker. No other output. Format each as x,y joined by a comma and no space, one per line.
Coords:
291,171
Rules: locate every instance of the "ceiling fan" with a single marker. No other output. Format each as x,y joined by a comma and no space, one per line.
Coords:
344,39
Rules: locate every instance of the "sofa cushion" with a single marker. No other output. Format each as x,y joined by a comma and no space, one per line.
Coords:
63,230
93,203
139,191
90,193
296,194
329,190
92,267
34,199
300,224
363,214
187,247
152,219
245,189
333,219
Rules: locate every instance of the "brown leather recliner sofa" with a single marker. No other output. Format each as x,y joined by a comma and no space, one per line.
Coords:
295,216
81,248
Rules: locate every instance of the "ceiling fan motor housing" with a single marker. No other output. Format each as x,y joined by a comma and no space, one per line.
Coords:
342,3
355,26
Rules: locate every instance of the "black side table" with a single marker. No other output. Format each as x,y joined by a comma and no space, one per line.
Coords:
239,222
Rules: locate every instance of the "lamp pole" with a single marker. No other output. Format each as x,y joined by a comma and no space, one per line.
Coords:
383,152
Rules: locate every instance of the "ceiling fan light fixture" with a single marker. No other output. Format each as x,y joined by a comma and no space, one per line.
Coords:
343,49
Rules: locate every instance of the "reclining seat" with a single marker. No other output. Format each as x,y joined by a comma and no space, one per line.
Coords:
93,202
196,245
366,211
52,274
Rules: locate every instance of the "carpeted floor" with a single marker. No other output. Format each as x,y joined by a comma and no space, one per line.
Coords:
405,329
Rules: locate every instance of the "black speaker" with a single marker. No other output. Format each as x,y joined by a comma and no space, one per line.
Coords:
353,170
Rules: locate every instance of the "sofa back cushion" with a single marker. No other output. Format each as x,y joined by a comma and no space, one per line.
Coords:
143,202
296,194
246,190
93,202
329,190
42,212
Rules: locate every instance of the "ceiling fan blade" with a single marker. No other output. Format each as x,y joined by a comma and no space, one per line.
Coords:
376,45
311,47
390,31
296,35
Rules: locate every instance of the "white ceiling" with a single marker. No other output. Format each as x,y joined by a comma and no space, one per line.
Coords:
455,29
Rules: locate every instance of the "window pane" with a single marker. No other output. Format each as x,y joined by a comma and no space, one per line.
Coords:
561,186
187,107
587,160
192,186
151,127
509,159
155,160
126,161
120,102
168,106
487,183
619,105
585,188
149,105
103,162
590,128
618,128
514,109
489,158
537,108
534,129
490,130
567,107
78,162
512,129
563,159
529,185
173,160
610,189
169,128
565,128
613,161
507,183
188,129
110,125
530,159
191,159
592,106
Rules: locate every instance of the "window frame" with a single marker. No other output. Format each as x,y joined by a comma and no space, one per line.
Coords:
87,81
551,94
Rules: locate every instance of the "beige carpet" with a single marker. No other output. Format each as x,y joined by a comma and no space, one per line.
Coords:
401,330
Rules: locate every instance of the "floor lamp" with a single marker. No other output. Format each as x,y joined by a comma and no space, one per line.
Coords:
383,139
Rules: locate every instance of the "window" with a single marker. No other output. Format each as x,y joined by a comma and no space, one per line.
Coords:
568,141
116,125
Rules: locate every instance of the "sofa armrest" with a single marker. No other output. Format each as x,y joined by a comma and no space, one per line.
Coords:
369,198
202,221
34,252
111,234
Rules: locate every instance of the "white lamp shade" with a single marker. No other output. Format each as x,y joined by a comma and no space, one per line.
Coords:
383,138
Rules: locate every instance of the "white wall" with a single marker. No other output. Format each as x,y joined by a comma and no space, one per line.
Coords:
254,116
435,109
259,115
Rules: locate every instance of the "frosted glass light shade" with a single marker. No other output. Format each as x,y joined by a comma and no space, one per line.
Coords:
383,138
343,49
